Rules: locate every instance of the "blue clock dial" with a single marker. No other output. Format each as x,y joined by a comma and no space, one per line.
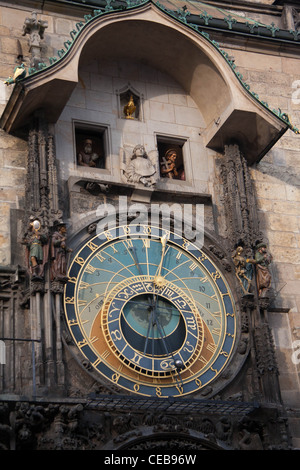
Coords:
150,311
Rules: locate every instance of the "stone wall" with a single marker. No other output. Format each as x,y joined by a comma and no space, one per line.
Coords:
13,150
274,77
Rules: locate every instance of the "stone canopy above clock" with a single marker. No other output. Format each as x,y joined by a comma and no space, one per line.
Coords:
151,36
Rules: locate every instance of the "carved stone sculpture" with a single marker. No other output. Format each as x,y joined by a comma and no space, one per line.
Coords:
129,108
140,167
263,277
59,252
35,28
19,74
36,243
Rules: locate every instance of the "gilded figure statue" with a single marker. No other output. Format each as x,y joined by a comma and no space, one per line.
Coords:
243,269
129,108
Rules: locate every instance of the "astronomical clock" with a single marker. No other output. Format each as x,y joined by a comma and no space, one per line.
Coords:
150,311
134,335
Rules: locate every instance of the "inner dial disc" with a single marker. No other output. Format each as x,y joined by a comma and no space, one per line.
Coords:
153,324
158,330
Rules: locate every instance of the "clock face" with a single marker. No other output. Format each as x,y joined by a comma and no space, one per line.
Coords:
150,311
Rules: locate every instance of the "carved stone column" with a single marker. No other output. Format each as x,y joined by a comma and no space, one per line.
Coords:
43,204
239,199
241,216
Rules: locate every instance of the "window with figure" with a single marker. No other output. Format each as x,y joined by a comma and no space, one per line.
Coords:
171,162
90,147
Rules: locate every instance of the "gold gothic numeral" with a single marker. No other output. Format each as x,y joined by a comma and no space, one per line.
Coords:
211,347
117,335
215,275
216,331
193,266
127,230
136,358
82,343
146,230
128,242
146,242
108,235
115,378
100,257
90,269
224,353
202,359
105,354
84,285
97,362
92,246
198,382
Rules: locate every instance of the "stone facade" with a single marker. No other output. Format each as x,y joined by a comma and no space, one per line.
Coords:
166,110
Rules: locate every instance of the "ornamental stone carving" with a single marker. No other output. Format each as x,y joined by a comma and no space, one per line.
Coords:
139,167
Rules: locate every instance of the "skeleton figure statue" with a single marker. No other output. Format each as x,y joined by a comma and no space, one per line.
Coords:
36,243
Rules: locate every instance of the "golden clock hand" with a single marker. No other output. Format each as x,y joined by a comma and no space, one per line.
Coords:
158,278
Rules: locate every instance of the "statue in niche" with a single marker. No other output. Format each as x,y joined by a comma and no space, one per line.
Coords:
262,261
129,108
59,252
87,157
168,165
36,243
140,167
171,161
243,269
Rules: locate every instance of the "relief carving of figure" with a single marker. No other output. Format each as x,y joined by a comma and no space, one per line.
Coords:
140,167
59,252
36,243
